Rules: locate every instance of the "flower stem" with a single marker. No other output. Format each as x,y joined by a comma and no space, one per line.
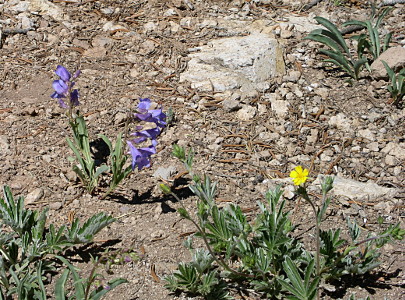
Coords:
318,242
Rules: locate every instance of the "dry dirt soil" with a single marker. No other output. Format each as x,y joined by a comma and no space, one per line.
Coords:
122,64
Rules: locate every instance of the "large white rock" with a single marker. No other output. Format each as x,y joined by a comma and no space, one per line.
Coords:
353,189
243,62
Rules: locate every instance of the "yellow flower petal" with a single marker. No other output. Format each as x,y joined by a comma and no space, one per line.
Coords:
299,175
293,174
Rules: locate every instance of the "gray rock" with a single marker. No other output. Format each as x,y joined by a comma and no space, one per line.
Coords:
286,34
367,134
34,196
120,118
394,57
303,24
147,47
55,205
26,23
235,63
165,173
293,76
353,189
134,73
394,149
373,146
174,27
208,23
47,158
110,26
280,107
4,145
323,92
230,105
340,121
95,52
390,160
101,41
21,6
150,26
246,113
107,10
170,12
380,206
45,7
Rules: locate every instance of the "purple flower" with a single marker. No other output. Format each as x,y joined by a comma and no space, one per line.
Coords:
107,287
141,156
144,104
64,88
145,134
62,73
127,259
150,115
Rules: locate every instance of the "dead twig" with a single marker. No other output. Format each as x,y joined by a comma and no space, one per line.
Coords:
351,29
311,4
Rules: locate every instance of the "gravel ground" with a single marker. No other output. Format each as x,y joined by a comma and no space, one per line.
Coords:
312,116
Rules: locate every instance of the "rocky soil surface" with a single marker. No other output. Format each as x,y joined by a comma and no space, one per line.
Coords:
249,126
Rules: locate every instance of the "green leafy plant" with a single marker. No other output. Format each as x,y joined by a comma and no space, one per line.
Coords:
83,286
371,41
302,289
27,246
87,170
118,160
264,253
397,84
198,277
339,54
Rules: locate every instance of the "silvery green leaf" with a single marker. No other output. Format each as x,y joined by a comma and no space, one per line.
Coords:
336,33
322,36
92,226
60,285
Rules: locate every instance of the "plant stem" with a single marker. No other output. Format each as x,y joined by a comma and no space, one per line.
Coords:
91,279
372,239
318,243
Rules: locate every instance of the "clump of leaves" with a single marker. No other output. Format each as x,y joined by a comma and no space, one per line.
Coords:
27,246
86,170
371,41
340,54
396,86
118,159
264,253
198,277
82,287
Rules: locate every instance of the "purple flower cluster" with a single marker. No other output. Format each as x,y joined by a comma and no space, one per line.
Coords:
64,88
141,156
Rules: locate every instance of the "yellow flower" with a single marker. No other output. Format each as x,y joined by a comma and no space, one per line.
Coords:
299,175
